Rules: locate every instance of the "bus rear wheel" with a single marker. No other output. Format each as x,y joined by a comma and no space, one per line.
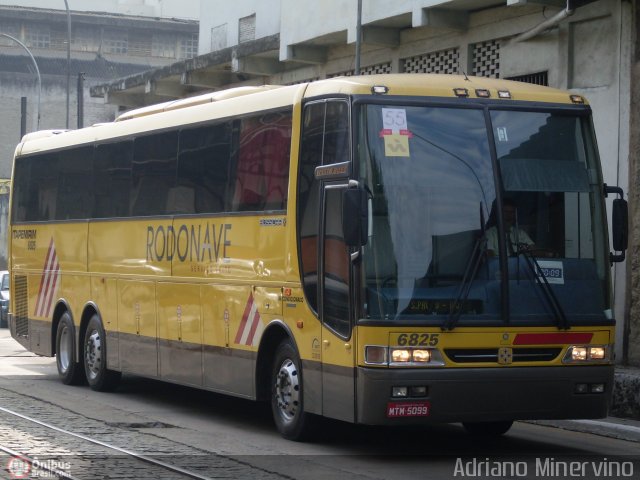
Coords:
99,377
69,370
487,429
287,404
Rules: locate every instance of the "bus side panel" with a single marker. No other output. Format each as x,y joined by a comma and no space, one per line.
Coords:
179,333
226,369
53,259
138,343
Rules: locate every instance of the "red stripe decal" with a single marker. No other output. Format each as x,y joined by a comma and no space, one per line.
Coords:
551,338
245,316
47,259
255,321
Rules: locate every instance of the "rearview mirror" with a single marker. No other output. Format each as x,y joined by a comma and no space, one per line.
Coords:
620,225
355,218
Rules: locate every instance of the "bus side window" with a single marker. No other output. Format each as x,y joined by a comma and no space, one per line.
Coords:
153,173
263,163
203,165
112,179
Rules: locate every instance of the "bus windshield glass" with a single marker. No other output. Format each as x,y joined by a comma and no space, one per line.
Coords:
434,234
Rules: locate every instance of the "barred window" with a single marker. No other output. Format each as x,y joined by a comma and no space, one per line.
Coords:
189,46
38,36
163,45
115,41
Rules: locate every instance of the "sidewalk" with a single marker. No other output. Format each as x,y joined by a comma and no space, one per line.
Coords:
626,393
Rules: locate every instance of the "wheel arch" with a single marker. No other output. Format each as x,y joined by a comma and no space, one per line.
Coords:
273,335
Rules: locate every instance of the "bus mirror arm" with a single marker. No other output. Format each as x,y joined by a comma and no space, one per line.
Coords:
355,217
619,224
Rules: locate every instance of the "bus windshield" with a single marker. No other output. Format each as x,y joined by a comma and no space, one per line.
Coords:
435,236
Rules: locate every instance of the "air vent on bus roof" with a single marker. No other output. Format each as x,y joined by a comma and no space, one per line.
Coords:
193,101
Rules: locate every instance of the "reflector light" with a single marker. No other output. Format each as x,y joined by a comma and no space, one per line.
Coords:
375,355
461,92
379,89
483,93
504,94
577,99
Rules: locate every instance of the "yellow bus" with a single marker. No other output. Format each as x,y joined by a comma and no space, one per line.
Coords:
385,250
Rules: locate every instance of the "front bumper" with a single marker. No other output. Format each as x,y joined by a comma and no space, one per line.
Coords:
486,394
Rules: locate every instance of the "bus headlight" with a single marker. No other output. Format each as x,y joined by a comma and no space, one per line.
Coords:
586,354
402,356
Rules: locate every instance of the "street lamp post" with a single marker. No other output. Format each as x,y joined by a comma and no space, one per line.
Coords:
37,73
66,4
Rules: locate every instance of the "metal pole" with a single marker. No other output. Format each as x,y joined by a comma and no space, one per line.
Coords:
68,58
23,116
80,99
358,37
37,73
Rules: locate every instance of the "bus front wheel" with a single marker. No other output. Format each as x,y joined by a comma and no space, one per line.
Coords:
99,377
69,370
487,429
287,404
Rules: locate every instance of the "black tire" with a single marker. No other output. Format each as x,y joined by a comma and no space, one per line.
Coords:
287,405
94,351
69,369
487,429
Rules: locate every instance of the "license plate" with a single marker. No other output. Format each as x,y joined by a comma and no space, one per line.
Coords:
408,409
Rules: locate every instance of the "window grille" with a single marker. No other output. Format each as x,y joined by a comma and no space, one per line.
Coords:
247,28
445,61
486,59
540,78
115,41
189,46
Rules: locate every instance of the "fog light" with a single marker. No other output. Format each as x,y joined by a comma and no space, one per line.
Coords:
581,388
579,354
400,355
421,356
399,391
418,391
375,355
597,353
597,388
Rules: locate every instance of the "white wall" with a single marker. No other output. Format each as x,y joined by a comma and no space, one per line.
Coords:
224,15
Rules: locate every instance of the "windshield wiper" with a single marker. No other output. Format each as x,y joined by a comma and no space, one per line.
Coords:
541,280
470,271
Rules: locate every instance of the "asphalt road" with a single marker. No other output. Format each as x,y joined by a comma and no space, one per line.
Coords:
147,412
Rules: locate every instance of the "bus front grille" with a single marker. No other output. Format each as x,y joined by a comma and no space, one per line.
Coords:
491,355
21,305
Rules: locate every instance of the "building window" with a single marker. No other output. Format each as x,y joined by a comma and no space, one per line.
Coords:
84,40
247,28
163,45
115,41
219,37
10,29
38,36
189,46
369,70
445,61
486,59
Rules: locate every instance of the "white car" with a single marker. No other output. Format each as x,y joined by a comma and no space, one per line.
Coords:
4,299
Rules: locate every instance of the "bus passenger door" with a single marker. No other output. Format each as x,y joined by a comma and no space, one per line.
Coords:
338,355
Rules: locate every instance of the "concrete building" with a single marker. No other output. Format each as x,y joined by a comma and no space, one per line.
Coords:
104,46
586,46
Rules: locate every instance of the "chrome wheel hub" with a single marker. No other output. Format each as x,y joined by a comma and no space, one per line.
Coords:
288,390
93,354
65,350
